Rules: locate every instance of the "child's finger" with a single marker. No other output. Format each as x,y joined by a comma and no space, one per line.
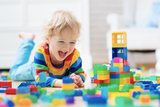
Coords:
76,86
72,75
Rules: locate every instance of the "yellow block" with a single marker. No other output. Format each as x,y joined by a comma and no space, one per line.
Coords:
1,98
103,77
118,64
119,39
58,102
68,86
119,94
124,80
20,96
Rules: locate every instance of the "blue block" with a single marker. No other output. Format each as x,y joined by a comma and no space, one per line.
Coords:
104,90
119,52
8,102
37,94
114,69
95,76
42,77
2,90
96,100
135,93
46,98
126,68
67,80
114,76
78,93
23,90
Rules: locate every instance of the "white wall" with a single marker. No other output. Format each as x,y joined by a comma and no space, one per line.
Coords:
28,15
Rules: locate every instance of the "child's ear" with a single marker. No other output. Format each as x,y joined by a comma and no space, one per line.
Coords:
47,40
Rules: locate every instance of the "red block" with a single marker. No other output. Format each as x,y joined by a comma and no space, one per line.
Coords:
120,72
6,84
101,81
125,62
32,88
11,91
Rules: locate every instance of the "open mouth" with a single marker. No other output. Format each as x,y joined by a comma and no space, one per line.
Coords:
62,54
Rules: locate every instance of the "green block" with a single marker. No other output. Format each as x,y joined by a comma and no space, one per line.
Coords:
113,88
69,92
91,91
138,78
99,67
106,72
115,81
124,101
103,84
153,78
32,97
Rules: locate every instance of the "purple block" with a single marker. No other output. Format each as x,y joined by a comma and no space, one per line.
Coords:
70,100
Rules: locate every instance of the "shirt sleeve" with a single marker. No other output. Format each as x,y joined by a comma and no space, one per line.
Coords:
76,67
41,66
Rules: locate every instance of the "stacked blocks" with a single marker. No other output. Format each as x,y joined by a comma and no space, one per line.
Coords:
6,84
68,88
101,74
58,98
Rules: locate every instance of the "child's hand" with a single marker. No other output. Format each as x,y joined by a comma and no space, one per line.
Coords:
77,80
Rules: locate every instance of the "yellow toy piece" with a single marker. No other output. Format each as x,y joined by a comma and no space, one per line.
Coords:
119,39
103,77
68,86
58,102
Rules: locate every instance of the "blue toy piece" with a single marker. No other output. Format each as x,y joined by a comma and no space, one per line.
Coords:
46,98
95,76
126,68
78,93
114,76
114,69
23,90
135,93
67,80
119,52
104,91
2,90
97,100
37,94
8,102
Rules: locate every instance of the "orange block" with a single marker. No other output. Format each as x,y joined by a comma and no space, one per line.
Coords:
144,99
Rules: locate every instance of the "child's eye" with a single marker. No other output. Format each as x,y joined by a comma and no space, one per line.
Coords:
61,41
72,42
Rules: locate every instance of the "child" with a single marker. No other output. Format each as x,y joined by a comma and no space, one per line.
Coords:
56,56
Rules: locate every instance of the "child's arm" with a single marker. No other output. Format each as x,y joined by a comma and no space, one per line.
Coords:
41,66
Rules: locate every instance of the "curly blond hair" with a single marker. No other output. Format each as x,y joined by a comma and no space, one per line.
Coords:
59,20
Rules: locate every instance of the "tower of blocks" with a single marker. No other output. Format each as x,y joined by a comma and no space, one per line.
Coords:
119,71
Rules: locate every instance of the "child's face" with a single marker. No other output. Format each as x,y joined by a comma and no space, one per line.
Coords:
60,46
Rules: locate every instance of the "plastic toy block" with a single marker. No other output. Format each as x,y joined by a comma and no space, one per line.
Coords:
11,91
125,62
46,98
115,81
68,86
117,60
146,82
114,69
118,64
32,88
120,72
25,102
123,101
3,104
106,72
58,102
119,94
104,91
153,78
144,99
1,98
98,68
2,90
78,93
135,93
43,91
103,84
103,77
119,52
158,80
126,68
70,100
6,84
69,92
119,39
101,81
95,76
37,94
114,76
96,100
67,80
33,98
58,94
8,102
113,88
91,91
42,77
23,90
